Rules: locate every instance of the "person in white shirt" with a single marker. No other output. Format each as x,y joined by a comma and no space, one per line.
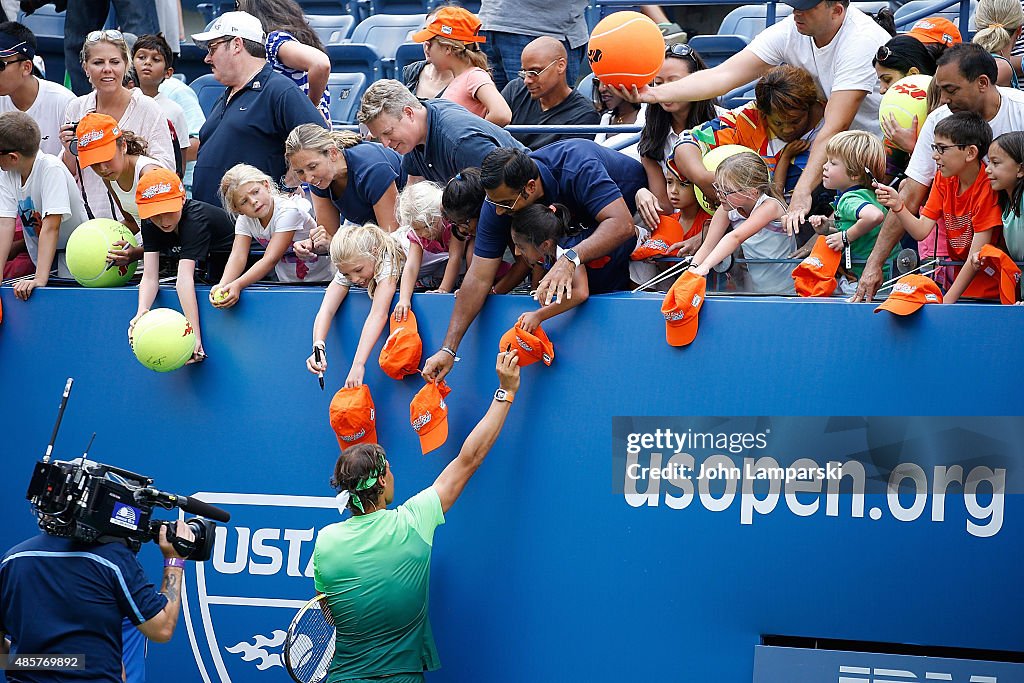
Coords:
45,101
828,38
966,81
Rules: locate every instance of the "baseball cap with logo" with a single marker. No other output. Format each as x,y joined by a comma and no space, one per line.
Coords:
97,139
159,191
681,307
910,293
403,349
998,273
353,417
12,46
937,30
428,414
456,23
236,24
668,232
816,276
533,346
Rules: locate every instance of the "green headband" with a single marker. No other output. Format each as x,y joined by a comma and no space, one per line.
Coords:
368,482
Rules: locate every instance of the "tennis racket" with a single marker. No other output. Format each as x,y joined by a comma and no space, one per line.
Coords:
309,645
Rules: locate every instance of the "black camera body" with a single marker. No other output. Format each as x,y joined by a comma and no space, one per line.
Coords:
96,503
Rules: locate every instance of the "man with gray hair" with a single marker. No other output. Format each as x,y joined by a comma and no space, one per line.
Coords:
437,138
258,109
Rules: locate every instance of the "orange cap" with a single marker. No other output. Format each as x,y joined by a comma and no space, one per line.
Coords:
910,293
159,191
681,308
456,23
428,414
403,349
97,139
816,276
936,30
668,232
353,417
1000,271
533,346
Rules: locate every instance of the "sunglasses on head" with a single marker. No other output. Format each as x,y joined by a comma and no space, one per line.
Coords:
883,54
681,50
108,34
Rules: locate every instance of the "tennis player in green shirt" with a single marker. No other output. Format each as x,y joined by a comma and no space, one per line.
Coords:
374,567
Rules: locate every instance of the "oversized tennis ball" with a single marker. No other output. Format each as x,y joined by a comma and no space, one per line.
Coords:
905,99
163,340
626,48
86,253
711,161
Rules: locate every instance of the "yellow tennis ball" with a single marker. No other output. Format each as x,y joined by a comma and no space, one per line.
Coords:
220,295
86,253
626,48
905,99
163,340
711,161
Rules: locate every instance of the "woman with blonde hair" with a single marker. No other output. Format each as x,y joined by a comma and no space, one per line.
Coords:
451,42
365,256
999,25
351,180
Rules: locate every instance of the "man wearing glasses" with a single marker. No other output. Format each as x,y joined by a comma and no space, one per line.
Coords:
597,184
541,97
436,138
257,111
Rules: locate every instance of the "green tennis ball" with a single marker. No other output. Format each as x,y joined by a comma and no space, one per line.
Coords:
86,253
711,161
220,295
163,340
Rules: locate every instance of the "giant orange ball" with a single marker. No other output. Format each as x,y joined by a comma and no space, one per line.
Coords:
626,48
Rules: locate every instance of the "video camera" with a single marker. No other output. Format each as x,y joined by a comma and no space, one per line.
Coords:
93,502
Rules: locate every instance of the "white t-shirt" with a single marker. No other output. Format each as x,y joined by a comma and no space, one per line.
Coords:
291,214
48,112
605,140
1010,117
49,190
176,118
843,64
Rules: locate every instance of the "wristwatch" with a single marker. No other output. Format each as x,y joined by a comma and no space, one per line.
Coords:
503,396
572,256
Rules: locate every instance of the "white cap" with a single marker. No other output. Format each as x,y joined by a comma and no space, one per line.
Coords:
239,24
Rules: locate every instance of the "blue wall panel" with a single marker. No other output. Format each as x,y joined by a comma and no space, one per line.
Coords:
542,572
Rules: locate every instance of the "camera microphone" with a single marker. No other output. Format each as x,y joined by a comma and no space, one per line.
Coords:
191,505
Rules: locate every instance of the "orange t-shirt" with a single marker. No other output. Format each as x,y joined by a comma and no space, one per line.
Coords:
976,210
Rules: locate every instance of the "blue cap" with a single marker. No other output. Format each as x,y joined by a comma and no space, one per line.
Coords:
11,47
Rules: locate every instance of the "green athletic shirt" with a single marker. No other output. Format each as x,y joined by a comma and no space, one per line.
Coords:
375,571
847,209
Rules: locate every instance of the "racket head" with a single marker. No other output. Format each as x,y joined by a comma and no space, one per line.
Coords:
309,644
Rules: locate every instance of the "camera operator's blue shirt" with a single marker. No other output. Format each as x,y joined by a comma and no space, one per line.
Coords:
59,596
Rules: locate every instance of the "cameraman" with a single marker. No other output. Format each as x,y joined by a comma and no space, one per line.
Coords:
59,596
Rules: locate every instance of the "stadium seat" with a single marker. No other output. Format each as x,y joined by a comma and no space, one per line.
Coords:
48,26
330,28
749,20
212,10
717,49
586,86
365,9
190,62
346,92
952,13
387,31
328,7
872,7
208,89
406,54
356,57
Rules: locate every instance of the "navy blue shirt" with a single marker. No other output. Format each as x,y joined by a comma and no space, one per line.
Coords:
250,129
372,168
581,174
59,596
456,140
574,110
608,273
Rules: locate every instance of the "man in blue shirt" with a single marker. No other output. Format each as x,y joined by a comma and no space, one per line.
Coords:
597,184
61,596
258,109
438,138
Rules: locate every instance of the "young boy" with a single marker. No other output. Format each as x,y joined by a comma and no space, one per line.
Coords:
186,228
152,63
39,189
962,196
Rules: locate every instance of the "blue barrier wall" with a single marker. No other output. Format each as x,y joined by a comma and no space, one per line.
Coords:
542,572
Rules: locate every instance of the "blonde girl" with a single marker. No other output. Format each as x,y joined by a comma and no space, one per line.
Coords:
451,42
275,220
430,241
750,215
999,24
350,180
365,256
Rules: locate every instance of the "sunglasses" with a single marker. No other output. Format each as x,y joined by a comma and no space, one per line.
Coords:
883,54
680,50
108,34
4,65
